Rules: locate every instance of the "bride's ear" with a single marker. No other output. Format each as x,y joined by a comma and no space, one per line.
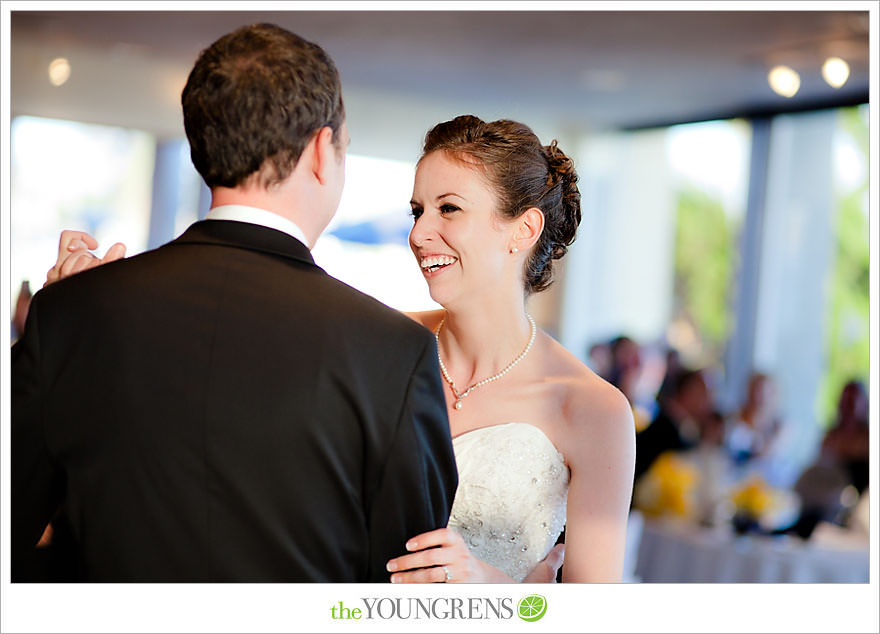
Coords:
529,227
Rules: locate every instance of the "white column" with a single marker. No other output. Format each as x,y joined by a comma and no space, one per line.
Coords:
619,273
739,359
796,256
166,192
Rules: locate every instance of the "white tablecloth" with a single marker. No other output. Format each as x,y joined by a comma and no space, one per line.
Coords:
676,553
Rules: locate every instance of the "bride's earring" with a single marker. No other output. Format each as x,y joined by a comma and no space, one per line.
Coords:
514,250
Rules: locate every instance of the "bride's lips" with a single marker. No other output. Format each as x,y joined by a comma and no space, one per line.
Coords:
433,264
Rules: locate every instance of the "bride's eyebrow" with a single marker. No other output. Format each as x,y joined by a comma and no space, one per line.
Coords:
442,196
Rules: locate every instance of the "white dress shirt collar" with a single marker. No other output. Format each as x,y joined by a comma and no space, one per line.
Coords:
256,216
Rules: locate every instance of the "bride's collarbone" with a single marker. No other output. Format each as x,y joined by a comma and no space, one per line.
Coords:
498,403
479,410
461,422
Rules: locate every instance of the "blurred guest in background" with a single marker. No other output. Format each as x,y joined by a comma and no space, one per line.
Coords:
846,443
712,430
830,488
673,370
752,431
711,461
21,310
600,359
678,423
626,365
625,372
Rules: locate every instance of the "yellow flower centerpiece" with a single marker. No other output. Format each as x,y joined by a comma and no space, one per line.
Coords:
754,497
668,488
760,506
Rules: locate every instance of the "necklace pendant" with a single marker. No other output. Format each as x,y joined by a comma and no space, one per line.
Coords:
459,396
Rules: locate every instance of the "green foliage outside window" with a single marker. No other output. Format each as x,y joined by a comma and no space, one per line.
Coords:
704,262
847,324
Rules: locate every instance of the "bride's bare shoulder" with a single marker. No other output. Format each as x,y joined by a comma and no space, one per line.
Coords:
430,319
592,405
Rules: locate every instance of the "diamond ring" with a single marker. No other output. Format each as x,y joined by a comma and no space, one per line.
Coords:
448,576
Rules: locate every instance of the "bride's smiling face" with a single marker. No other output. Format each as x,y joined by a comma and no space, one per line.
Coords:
461,243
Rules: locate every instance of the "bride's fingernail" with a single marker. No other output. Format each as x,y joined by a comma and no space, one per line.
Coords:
391,566
395,579
411,545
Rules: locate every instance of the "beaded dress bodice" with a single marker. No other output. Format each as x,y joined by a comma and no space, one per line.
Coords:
512,491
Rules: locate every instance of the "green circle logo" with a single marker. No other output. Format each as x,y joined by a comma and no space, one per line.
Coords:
532,608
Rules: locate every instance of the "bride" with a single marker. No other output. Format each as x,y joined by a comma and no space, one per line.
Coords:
541,442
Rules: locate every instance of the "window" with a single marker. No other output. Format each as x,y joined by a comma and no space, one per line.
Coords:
710,167
847,325
68,175
366,244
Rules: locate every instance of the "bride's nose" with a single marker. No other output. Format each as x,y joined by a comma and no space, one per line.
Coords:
422,231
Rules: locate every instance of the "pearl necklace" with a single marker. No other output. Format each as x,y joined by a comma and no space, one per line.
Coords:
459,396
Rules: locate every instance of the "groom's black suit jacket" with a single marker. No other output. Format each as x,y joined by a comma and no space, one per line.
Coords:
220,409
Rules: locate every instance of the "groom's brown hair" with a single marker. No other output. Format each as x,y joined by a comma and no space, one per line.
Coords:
252,102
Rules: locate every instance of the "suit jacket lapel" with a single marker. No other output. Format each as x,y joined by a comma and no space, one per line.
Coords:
243,235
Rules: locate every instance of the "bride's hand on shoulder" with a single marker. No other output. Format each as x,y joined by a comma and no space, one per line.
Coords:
442,556
75,255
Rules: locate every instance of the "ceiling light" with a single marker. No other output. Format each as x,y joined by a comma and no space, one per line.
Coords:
835,71
784,81
59,71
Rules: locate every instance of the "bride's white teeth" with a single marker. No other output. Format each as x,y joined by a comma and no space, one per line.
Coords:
436,261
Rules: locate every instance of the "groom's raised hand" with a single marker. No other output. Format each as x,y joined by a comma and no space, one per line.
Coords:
75,255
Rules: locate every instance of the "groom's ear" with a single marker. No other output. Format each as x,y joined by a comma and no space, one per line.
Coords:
529,227
323,153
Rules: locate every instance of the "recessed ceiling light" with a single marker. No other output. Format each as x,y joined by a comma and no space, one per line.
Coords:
835,71
784,81
59,71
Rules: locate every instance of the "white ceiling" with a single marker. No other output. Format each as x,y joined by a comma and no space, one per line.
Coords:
581,70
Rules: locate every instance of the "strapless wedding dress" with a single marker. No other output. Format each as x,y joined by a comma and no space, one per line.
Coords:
512,490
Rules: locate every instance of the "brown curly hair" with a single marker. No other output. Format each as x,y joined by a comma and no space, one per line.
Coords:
524,174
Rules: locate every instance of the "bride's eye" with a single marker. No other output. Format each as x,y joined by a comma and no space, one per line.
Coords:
448,209
415,212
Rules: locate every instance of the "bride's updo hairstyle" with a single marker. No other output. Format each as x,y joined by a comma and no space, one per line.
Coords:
524,174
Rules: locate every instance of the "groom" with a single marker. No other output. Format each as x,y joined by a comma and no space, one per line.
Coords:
220,409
